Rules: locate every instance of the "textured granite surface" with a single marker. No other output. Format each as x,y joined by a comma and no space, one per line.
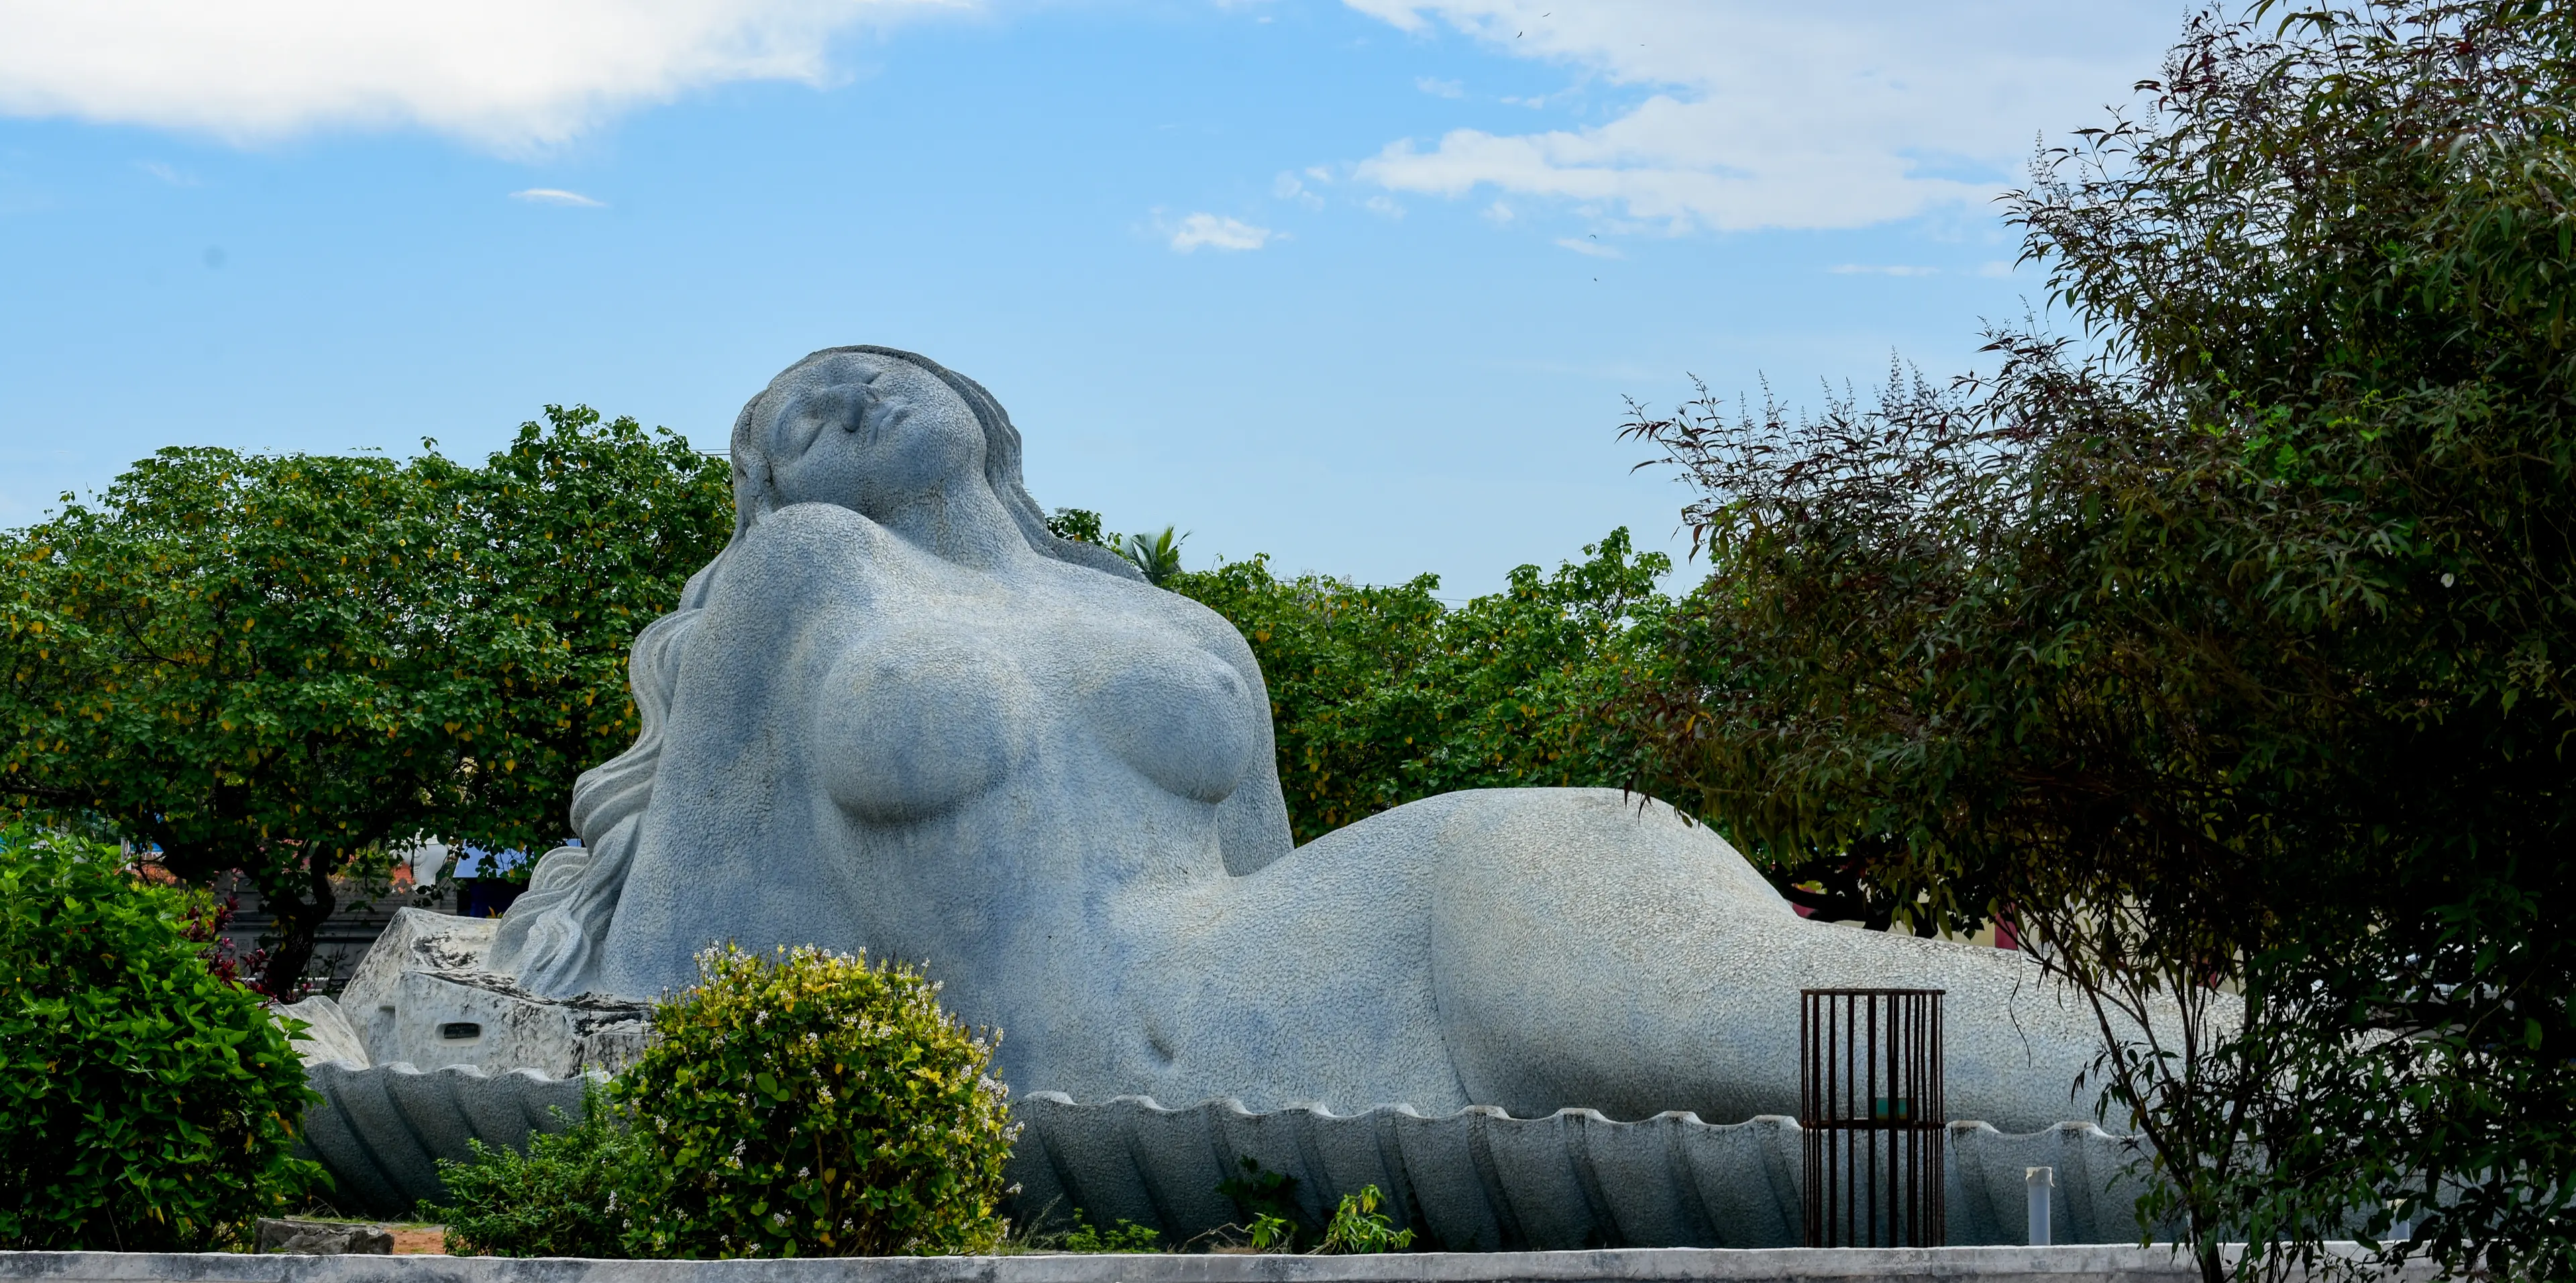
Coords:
1476,1179
381,1130
1481,1180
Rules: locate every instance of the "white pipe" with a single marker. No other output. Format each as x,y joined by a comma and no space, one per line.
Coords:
2039,1179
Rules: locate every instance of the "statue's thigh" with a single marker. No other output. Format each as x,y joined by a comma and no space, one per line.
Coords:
1595,955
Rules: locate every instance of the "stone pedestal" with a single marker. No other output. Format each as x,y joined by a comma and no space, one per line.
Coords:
421,997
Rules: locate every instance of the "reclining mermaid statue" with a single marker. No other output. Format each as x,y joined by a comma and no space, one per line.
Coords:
897,714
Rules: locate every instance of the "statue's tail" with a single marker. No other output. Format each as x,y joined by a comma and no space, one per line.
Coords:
550,939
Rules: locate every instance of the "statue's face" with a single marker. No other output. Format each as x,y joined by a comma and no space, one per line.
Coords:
871,433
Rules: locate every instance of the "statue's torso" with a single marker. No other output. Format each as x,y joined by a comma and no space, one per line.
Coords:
1014,777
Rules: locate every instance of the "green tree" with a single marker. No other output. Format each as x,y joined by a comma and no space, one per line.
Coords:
1080,525
265,664
274,664
1381,695
146,1103
1157,557
590,528
2230,649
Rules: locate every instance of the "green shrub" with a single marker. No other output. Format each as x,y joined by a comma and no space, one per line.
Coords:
145,1102
1358,1228
1125,1236
811,1104
1268,1202
570,1194
1273,1234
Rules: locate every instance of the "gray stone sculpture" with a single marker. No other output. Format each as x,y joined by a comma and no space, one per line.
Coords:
896,714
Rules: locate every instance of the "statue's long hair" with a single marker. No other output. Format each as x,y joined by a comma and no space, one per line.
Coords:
552,935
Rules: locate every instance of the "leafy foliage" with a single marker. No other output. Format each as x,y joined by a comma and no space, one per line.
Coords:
1382,695
813,1104
202,925
250,663
1268,1202
1157,557
589,529
569,1194
274,664
1080,525
1125,1236
146,1104
2233,650
1359,1228
1273,1233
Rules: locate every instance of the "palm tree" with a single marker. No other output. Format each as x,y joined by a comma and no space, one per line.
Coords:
1158,556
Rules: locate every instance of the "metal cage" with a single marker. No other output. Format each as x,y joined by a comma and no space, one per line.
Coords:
1870,1104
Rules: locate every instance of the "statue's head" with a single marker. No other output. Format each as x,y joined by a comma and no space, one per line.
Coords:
869,428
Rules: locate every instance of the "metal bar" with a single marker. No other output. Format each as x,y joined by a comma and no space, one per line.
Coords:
1873,1107
1870,1058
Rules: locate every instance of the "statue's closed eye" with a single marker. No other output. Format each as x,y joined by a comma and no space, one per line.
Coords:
849,408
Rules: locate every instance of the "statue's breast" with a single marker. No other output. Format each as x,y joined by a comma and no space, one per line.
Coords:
1180,716
922,716
918,721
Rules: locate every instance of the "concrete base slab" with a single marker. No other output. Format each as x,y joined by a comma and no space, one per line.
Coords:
2091,1263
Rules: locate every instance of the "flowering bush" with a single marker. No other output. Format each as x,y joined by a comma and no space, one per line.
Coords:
813,1104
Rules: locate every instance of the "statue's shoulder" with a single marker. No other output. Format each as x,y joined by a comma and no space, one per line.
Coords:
804,526
804,552
1171,610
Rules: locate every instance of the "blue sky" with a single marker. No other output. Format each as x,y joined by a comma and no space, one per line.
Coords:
1358,284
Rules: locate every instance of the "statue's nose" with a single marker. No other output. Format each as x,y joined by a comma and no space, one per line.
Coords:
864,405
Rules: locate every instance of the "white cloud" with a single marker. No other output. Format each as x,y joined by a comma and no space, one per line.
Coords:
1215,232
512,75
1382,207
1286,187
1588,246
167,173
1867,269
1440,88
556,196
1831,113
